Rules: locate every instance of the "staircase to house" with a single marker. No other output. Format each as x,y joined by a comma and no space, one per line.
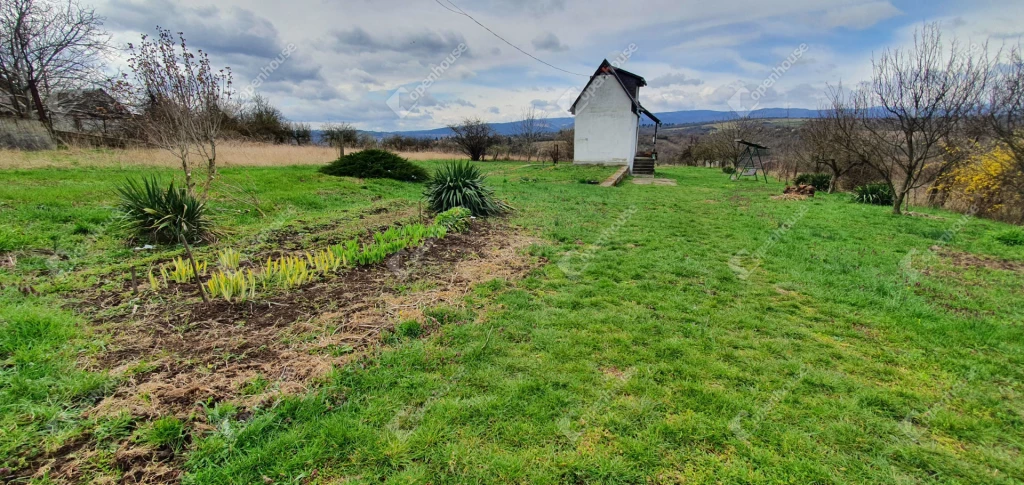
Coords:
643,166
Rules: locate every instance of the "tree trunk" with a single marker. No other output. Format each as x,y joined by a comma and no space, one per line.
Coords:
897,205
40,109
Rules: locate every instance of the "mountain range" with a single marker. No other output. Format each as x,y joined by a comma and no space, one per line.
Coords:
667,118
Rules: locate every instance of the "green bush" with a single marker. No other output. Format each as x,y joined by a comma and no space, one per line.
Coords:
1011,237
877,194
455,219
819,181
163,216
728,169
376,164
460,184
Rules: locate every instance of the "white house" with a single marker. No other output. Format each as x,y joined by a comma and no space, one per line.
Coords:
608,120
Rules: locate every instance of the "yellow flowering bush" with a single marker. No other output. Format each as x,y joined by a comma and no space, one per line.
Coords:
989,181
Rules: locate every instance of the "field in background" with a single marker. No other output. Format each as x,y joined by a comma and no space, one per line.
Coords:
229,154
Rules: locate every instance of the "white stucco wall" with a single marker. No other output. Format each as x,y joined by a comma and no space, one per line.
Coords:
605,125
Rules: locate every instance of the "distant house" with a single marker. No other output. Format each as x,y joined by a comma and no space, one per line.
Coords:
607,124
87,111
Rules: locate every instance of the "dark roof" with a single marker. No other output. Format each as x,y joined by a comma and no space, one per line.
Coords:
630,83
88,103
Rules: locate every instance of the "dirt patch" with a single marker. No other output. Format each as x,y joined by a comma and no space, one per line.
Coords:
790,197
653,181
175,357
174,354
924,216
968,260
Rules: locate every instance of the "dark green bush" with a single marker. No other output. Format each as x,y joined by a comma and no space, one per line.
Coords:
877,194
819,181
460,184
163,216
728,169
1011,237
376,164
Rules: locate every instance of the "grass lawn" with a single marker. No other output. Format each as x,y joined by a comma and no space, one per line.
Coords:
695,333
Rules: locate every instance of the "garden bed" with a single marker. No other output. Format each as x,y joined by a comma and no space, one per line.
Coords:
173,355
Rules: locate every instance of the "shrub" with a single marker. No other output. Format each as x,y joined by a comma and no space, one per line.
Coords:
819,181
455,219
163,216
1011,237
376,164
729,169
877,194
460,184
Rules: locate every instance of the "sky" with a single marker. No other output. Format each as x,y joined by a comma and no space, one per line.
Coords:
392,65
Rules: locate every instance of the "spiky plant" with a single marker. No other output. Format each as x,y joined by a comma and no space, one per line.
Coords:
460,184
160,215
876,194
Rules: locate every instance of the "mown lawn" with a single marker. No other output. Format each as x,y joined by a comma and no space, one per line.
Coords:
680,334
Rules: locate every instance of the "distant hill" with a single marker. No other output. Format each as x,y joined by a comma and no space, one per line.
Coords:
667,118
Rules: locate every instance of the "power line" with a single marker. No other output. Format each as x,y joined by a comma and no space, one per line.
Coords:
462,12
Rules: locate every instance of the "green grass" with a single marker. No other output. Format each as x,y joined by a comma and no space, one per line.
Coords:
638,354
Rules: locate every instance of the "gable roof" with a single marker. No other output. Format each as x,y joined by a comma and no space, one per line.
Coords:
629,82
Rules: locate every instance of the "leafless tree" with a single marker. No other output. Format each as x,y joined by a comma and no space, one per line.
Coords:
180,100
720,145
47,46
474,137
1004,113
339,135
925,94
527,131
822,145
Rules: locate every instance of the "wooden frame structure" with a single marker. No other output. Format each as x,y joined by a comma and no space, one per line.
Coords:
751,161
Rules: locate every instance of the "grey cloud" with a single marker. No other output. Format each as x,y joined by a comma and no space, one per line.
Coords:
673,79
549,42
424,43
493,110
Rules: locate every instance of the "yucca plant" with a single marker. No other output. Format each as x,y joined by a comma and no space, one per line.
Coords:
174,215
460,184
877,194
160,215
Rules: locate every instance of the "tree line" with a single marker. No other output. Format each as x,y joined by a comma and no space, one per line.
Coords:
937,116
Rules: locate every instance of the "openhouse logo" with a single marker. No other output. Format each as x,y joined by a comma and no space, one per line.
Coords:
402,101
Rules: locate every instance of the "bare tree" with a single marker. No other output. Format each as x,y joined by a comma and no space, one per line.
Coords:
527,131
1004,113
821,145
720,145
47,46
180,100
474,137
339,134
926,94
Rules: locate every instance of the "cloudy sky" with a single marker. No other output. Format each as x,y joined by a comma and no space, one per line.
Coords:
329,60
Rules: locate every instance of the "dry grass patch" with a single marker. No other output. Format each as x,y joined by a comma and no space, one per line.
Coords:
229,154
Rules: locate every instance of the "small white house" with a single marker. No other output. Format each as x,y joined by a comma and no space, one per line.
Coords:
608,120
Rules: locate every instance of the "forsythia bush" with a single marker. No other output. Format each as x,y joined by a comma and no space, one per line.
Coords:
991,182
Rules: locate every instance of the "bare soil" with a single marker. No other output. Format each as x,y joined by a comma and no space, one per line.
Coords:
173,354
